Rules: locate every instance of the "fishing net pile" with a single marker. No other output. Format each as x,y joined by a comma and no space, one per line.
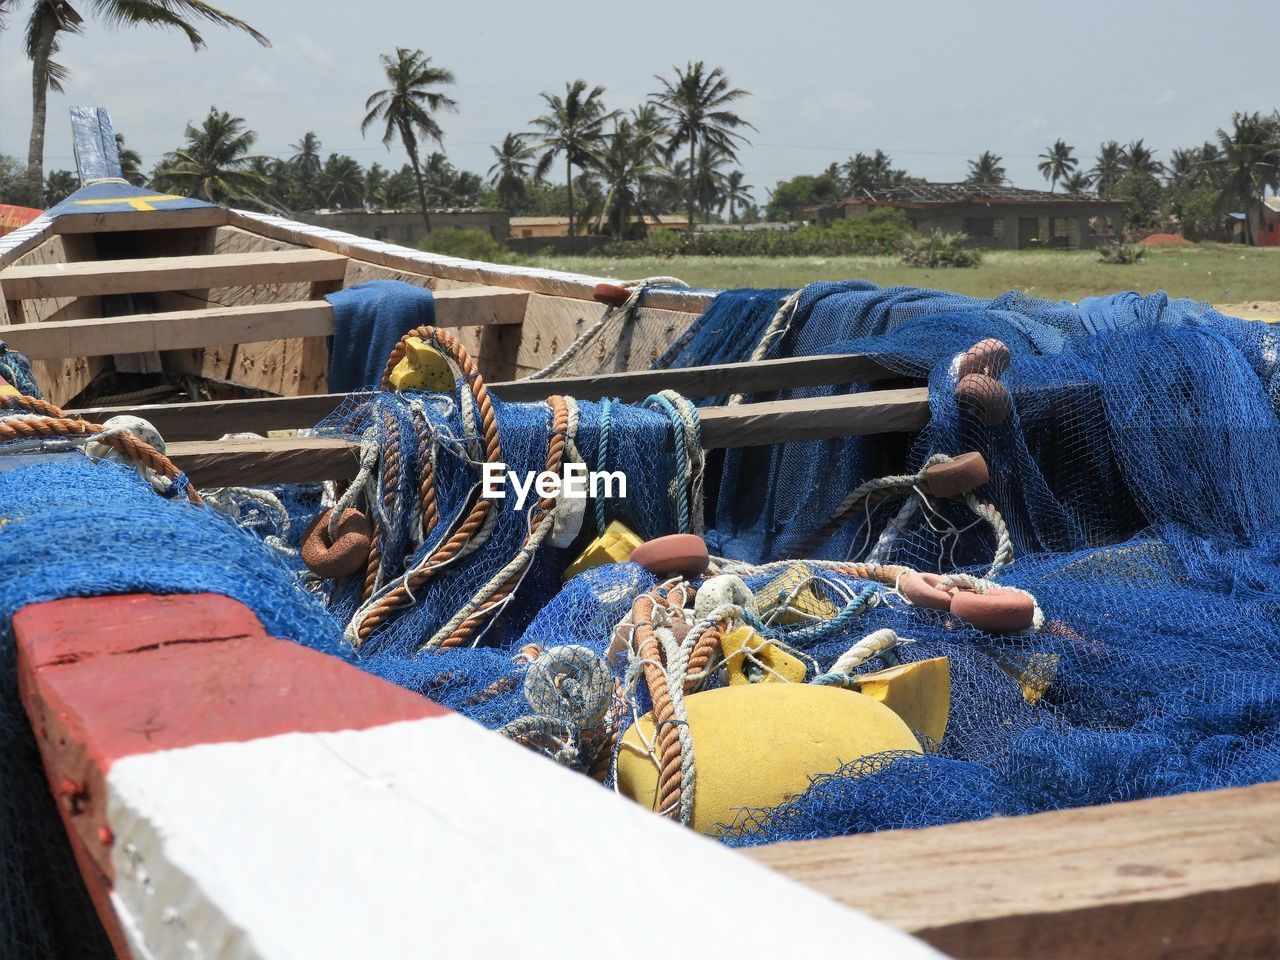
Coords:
1133,458
1127,513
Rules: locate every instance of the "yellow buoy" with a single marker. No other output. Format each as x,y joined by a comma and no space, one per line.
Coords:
422,367
746,652
920,693
760,744
613,546
794,592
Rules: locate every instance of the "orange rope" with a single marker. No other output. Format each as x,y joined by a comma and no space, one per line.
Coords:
555,460
124,443
402,594
650,653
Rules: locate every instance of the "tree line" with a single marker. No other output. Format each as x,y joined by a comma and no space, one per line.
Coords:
676,150
1196,188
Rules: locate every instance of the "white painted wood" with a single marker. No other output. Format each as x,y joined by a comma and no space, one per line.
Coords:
436,838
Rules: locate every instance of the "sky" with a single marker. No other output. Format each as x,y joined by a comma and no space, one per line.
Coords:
931,82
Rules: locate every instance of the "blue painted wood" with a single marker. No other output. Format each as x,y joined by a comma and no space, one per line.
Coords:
116,197
94,139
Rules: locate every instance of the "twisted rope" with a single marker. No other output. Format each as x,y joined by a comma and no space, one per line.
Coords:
602,460
380,607
460,627
689,456
43,427
627,309
777,328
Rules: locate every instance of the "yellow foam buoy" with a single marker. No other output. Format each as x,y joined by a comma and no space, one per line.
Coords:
422,367
746,652
613,546
794,597
760,744
919,693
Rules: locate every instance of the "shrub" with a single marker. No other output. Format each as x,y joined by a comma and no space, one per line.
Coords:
880,232
467,244
1122,253
939,249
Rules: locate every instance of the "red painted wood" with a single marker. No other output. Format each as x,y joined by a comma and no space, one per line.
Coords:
106,677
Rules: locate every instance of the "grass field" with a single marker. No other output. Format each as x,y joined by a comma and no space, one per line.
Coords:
1214,272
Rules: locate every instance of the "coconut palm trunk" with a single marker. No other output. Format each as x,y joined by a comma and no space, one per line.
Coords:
411,148
39,114
568,183
693,173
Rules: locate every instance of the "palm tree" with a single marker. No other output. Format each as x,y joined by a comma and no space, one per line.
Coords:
987,170
215,164
695,104
1078,183
510,170
648,122
866,174
736,192
574,126
306,164
51,18
1138,158
406,108
1108,168
708,180
1057,163
59,185
625,163
1250,154
341,182
130,163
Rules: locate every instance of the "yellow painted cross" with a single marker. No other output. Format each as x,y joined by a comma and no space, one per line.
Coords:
138,203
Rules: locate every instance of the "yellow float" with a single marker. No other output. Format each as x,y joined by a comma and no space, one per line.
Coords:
920,693
759,745
422,367
795,592
745,652
615,545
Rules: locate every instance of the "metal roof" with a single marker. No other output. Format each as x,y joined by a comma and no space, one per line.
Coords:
963,192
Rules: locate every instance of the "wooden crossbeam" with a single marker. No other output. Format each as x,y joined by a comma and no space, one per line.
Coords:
150,274
1188,876
253,323
213,419
311,459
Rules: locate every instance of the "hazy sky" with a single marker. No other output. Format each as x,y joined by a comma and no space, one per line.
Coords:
933,83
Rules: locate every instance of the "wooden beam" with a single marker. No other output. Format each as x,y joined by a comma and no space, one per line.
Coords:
146,275
238,463
213,419
310,459
253,323
822,418
1188,876
158,219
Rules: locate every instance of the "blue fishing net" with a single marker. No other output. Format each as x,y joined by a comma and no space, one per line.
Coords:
1134,477
70,527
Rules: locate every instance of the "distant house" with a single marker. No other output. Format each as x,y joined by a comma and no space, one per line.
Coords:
996,216
525,228
1266,224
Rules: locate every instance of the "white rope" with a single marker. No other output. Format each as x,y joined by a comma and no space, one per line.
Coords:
778,326
637,288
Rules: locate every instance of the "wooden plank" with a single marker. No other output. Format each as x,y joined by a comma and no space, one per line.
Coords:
310,459
255,323
1188,876
158,219
233,463
213,419
781,421
171,273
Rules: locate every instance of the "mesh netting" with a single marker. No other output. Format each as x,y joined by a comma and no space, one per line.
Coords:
1134,460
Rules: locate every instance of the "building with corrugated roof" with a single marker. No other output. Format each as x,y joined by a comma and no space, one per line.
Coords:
996,216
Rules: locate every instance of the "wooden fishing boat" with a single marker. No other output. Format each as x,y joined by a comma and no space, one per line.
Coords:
228,793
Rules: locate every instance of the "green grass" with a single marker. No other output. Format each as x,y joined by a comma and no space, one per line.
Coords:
1214,272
